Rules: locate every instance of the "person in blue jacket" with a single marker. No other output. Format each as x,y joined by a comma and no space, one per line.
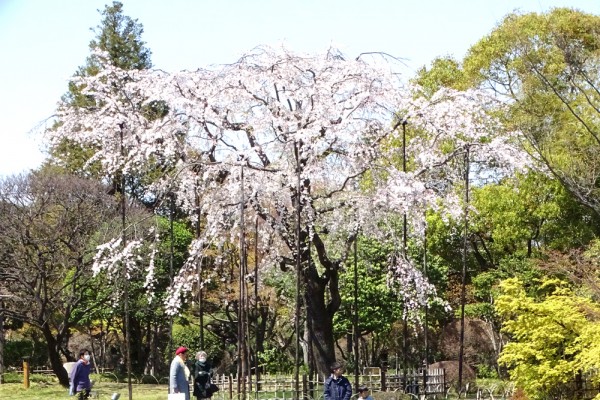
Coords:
363,393
337,386
80,376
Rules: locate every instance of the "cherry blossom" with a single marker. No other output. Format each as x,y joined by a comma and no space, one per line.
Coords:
281,131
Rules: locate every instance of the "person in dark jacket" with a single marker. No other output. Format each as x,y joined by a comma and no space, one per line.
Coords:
80,376
337,386
203,387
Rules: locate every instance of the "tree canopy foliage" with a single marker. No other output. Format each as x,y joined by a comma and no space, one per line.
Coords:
545,66
553,331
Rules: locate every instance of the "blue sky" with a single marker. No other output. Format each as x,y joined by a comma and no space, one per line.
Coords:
42,42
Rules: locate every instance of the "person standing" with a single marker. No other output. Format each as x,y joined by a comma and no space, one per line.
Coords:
178,379
202,375
337,386
80,376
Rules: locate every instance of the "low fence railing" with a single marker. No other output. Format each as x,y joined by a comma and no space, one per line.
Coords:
283,387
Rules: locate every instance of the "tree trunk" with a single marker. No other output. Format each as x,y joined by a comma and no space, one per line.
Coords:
323,300
322,325
138,355
54,356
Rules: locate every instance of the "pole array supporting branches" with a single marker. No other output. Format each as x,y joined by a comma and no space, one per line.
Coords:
340,117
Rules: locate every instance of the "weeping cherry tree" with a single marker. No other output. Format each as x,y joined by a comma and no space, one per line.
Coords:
305,130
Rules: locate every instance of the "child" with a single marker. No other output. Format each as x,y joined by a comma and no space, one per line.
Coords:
363,393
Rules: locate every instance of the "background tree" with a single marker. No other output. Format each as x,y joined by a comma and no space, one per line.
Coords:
377,305
148,321
551,328
545,67
542,66
514,223
444,72
48,224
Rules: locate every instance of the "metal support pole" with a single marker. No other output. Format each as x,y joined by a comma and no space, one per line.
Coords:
125,277
242,349
256,309
298,272
405,255
426,317
1,342
355,322
171,256
200,291
464,273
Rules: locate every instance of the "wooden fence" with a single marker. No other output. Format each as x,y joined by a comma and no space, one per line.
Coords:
283,387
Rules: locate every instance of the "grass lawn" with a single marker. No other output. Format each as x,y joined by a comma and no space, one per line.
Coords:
103,391
46,387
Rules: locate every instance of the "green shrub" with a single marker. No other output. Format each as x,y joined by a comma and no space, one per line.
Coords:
273,361
189,336
486,372
15,350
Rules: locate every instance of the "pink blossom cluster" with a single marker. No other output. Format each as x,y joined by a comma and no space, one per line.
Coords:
277,128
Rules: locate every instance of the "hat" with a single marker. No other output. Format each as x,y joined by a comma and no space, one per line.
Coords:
335,366
181,350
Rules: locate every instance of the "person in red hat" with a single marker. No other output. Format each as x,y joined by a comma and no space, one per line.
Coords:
178,380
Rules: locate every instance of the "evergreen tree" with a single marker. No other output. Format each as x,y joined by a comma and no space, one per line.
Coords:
120,37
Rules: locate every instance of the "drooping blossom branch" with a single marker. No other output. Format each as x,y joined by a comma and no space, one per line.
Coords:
323,121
